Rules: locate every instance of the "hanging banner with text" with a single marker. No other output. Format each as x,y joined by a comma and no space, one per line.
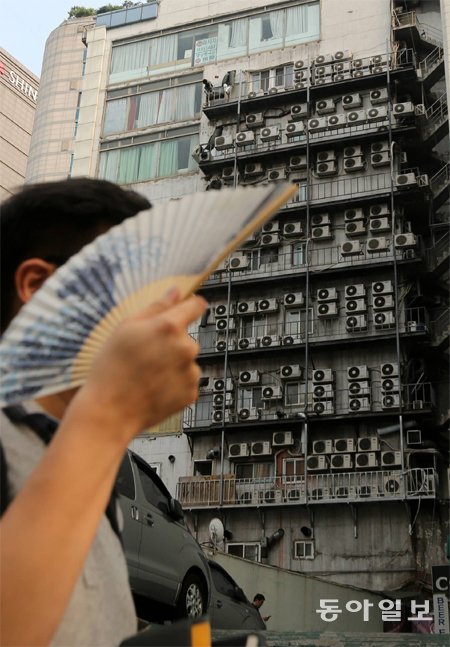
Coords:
441,585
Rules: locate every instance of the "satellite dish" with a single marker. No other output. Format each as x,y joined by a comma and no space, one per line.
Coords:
216,531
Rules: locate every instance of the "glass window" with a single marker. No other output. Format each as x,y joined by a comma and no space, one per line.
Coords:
298,254
244,471
303,550
247,551
125,479
151,492
292,393
232,38
250,398
222,583
202,468
266,32
293,467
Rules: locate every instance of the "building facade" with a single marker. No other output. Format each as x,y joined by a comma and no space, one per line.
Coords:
18,96
319,436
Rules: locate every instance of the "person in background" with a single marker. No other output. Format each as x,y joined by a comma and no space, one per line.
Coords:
258,601
63,574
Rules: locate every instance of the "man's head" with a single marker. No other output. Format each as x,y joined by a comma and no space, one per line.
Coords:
258,600
43,225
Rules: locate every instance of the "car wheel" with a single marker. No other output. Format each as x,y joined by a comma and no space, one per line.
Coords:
191,602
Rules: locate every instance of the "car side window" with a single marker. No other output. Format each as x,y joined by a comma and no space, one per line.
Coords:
151,491
222,583
125,480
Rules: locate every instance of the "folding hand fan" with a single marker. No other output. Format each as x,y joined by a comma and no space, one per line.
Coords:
50,345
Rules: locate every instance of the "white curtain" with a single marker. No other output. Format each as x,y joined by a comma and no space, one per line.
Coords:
128,165
238,33
115,116
276,23
148,110
163,50
165,106
147,162
168,163
184,102
109,165
296,20
132,56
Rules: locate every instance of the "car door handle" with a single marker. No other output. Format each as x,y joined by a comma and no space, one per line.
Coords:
134,511
219,604
149,519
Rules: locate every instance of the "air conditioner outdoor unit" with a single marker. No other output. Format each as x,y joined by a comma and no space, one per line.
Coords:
323,74
366,460
357,228
324,169
245,137
354,164
359,388
325,106
299,110
342,76
296,492
240,262
277,174
343,67
353,214
272,496
392,485
391,401
382,287
297,162
301,75
337,121
293,229
322,375
325,310
355,291
345,492
223,143
246,343
282,438
218,400
320,219
403,109
405,179
404,241
356,323
383,302
341,462
380,95
319,493
291,340
323,59
377,114
375,245
228,173
255,93
360,372
221,310
289,371
236,450
220,385
380,147
259,448
323,392
384,319
301,85
322,446
358,73
379,210
317,124
356,405
268,305
219,416
353,151
344,445
298,65
390,385
326,156
293,299
380,59
368,444
270,240
249,498
249,377
327,294
325,407
223,324
351,101
359,63
355,306
391,458
271,226
366,491
246,307
269,340
356,117
379,225
272,393
351,248
269,134
254,120
380,159
252,169
294,129
321,233
342,55
249,413
221,345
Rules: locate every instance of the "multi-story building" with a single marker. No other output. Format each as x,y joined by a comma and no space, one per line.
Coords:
319,436
18,91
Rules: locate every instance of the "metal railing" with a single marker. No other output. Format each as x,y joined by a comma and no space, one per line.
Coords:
430,62
439,251
440,327
436,114
426,32
440,179
387,484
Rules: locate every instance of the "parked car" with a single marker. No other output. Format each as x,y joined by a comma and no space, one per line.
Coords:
166,565
229,608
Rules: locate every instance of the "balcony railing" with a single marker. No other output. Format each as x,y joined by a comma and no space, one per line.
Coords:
409,20
361,486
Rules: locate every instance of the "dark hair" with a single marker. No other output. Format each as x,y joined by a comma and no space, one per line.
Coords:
54,220
259,596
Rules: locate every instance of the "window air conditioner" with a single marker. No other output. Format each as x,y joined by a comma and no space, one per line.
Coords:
344,445
221,345
223,143
405,241
382,287
354,164
259,448
379,225
324,169
246,343
337,121
384,319
356,117
390,385
245,137
268,305
223,324
327,294
359,389
353,214
351,248
317,124
240,262
290,340
254,120
353,151
269,340
325,310
249,377
405,179
272,393
320,219
392,485
293,299
322,375
352,101
269,134
325,106
355,291
368,444
375,245
316,463
293,229
252,169
391,401
236,450
289,371
380,95
282,438
341,462
277,174
379,210
343,67
299,110
383,302
380,159
360,372
249,413
246,307
269,240
220,385
298,65
356,323
297,162
323,59
357,405
321,233
221,310
377,114
219,416
403,109
294,129
325,407
323,392
355,306
366,460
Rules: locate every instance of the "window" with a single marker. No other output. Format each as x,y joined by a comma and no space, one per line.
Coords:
246,551
293,467
125,479
151,491
298,251
202,468
263,258
254,470
295,322
223,584
250,398
303,549
294,394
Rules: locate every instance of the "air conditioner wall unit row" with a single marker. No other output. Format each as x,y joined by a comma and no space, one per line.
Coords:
379,225
379,210
270,240
220,416
271,226
249,413
325,106
299,110
293,299
254,120
357,228
341,461
260,448
344,445
272,393
249,377
356,117
282,438
224,324
323,169
351,248
277,174
405,241
297,162
403,109
390,385
329,309
379,113
269,340
221,345
326,156
228,173
353,151
405,180
247,343
236,450
391,401
220,385
323,59
301,74
220,399
359,388
384,319
223,142
366,460
357,405
393,485
380,159
368,444
383,302
291,340
253,169
354,164
323,391
322,446
343,67
317,124
351,101
320,219
379,95
380,147
221,310
323,407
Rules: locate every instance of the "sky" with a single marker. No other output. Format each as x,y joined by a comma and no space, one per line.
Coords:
26,24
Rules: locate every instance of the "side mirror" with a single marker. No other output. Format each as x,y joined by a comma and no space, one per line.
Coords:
176,510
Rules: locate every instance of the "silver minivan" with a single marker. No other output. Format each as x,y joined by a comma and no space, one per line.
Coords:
165,563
